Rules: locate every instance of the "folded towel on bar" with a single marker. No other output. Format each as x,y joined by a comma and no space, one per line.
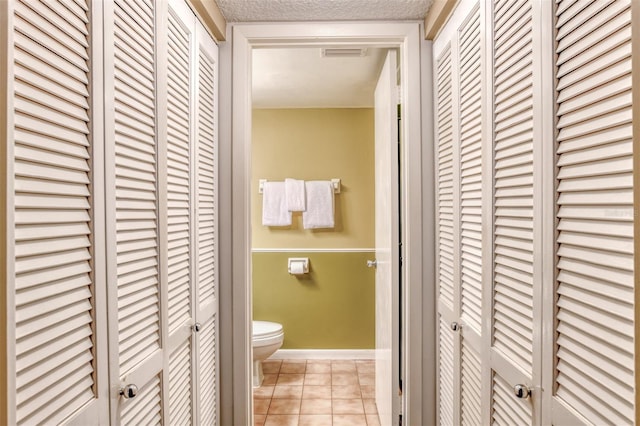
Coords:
319,212
295,195
274,209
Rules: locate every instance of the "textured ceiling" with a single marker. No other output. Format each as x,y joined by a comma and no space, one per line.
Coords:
322,10
302,78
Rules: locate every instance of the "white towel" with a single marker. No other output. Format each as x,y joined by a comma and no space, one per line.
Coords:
294,193
319,213
274,209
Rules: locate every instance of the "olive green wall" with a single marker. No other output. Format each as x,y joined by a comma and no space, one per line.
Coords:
332,307
316,144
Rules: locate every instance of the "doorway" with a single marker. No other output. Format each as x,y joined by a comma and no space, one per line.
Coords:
406,38
320,113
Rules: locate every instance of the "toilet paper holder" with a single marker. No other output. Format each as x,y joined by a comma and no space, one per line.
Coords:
298,265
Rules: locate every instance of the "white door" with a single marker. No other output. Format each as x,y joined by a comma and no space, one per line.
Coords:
136,247
56,363
387,240
514,279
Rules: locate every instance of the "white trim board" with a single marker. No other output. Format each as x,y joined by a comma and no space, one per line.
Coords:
313,250
324,354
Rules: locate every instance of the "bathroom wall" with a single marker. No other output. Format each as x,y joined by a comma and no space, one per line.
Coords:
332,307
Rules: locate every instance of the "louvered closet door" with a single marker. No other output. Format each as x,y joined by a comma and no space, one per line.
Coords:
447,237
180,208
206,236
134,211
459,156
514,346
470,215
595,285
56,358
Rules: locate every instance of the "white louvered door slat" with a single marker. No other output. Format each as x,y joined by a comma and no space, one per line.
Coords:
56,353
595,283
180,223
444,176
206,216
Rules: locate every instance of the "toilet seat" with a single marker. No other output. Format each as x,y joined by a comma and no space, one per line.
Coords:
266,333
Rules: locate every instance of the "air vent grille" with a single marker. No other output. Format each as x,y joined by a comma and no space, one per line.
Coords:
340,52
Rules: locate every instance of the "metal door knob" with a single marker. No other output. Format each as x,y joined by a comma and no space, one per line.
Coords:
129,391
372,263
197,327
455,326
522,391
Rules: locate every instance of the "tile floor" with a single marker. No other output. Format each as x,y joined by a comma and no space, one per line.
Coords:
316,393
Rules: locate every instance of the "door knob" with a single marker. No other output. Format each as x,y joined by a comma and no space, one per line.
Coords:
455,326
129,391
197,327
522,391
372,263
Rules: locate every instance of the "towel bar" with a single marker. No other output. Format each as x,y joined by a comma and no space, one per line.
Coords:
334,182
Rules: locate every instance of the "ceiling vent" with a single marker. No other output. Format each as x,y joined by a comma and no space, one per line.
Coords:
339,52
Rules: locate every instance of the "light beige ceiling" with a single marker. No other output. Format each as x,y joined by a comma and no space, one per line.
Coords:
303,78
322,10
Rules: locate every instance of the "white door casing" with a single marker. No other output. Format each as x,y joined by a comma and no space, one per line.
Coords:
404,36
387,244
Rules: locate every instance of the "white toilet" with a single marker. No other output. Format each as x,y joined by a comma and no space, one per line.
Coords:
267,338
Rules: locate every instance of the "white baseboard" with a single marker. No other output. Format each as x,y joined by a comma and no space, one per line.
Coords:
324,354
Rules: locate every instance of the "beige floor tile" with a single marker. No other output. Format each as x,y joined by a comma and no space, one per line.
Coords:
322,367
287,392
261,406
263,392
293,367
315,420
367,379
368,391
290,379
271,366
347,406
316,392
366,366
281,420
316,406
343,366
284,406
370,406
345,392
349,420
313,379
373,420
270,379
259,419
344,379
